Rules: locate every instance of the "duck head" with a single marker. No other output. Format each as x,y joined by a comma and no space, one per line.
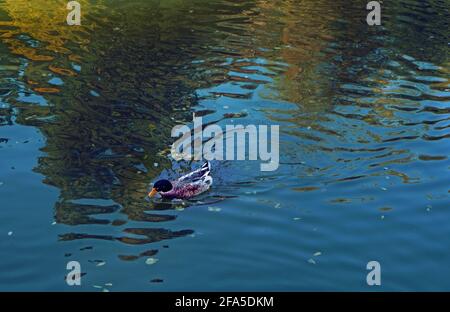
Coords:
160,186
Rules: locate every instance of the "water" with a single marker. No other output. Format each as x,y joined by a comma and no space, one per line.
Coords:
85,120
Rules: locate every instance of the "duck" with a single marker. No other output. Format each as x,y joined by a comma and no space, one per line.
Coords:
185,187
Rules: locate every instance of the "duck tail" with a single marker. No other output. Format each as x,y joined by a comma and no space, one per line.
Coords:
206,167
206,171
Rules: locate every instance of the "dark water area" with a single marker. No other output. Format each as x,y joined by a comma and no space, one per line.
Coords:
86,114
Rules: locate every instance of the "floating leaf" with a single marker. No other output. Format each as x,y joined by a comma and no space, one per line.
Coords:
235,115
305,189
118,222
151,261
128,257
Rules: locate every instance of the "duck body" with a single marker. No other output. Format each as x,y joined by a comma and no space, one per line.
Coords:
187,186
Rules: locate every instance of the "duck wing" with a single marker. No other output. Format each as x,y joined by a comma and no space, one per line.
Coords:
196,175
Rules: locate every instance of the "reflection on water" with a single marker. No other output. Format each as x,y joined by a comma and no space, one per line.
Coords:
363,112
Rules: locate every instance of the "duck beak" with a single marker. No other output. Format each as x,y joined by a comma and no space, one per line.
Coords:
152,193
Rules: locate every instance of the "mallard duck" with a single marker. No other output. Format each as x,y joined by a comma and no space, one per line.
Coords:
185,187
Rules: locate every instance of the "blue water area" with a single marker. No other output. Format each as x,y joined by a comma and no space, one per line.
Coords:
86,114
